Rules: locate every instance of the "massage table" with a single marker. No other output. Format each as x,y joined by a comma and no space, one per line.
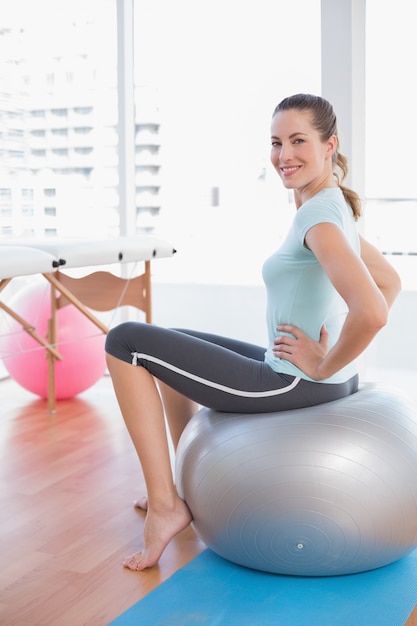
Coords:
97,290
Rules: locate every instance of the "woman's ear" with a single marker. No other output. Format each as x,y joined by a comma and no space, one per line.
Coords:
331,145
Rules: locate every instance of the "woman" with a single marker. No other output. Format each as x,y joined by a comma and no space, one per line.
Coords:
329,292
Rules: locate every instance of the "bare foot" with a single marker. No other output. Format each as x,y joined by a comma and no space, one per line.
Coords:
141,504
161,526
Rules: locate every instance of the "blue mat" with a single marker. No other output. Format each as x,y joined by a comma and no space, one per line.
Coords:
210,590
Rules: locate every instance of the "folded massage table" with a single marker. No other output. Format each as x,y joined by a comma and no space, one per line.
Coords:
98,290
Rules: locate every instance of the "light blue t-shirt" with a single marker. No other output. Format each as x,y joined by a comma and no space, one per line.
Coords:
299,291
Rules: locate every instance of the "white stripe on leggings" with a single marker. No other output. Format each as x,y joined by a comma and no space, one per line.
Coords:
209,383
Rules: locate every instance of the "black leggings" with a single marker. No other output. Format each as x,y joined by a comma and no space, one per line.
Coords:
217,372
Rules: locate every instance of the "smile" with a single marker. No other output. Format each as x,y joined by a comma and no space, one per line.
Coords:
289,170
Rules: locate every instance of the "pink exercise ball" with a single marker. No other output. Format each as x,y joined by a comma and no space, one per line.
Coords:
79,341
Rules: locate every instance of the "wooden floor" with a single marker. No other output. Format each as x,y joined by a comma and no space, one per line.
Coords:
66,517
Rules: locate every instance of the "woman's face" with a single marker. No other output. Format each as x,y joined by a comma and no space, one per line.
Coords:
303,161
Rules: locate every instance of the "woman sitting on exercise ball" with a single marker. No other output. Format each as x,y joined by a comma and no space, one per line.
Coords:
328,291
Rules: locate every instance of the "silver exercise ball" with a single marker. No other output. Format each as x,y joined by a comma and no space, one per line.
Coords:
320,491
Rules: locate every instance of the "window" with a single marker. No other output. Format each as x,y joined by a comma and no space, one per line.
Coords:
12,115
59,112
82,130
60,151
61,92
83,150
391,183
210,122
83,110
202,186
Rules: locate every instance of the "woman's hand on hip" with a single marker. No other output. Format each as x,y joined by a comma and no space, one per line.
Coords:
300,350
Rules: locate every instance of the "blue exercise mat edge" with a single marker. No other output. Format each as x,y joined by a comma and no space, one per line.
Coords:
212,591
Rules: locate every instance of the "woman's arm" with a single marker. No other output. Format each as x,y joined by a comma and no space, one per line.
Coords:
366,292
385,276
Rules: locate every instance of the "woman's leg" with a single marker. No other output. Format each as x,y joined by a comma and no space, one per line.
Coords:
178,408
178,411
142,410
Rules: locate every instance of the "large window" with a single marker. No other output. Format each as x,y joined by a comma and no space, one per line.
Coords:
207,77
216,70
58,82
391,132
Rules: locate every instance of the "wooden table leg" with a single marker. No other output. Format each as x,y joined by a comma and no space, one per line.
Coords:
52,338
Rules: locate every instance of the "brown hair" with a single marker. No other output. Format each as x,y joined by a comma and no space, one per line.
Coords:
324,121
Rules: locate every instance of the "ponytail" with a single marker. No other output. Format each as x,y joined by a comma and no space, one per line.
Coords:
351,197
